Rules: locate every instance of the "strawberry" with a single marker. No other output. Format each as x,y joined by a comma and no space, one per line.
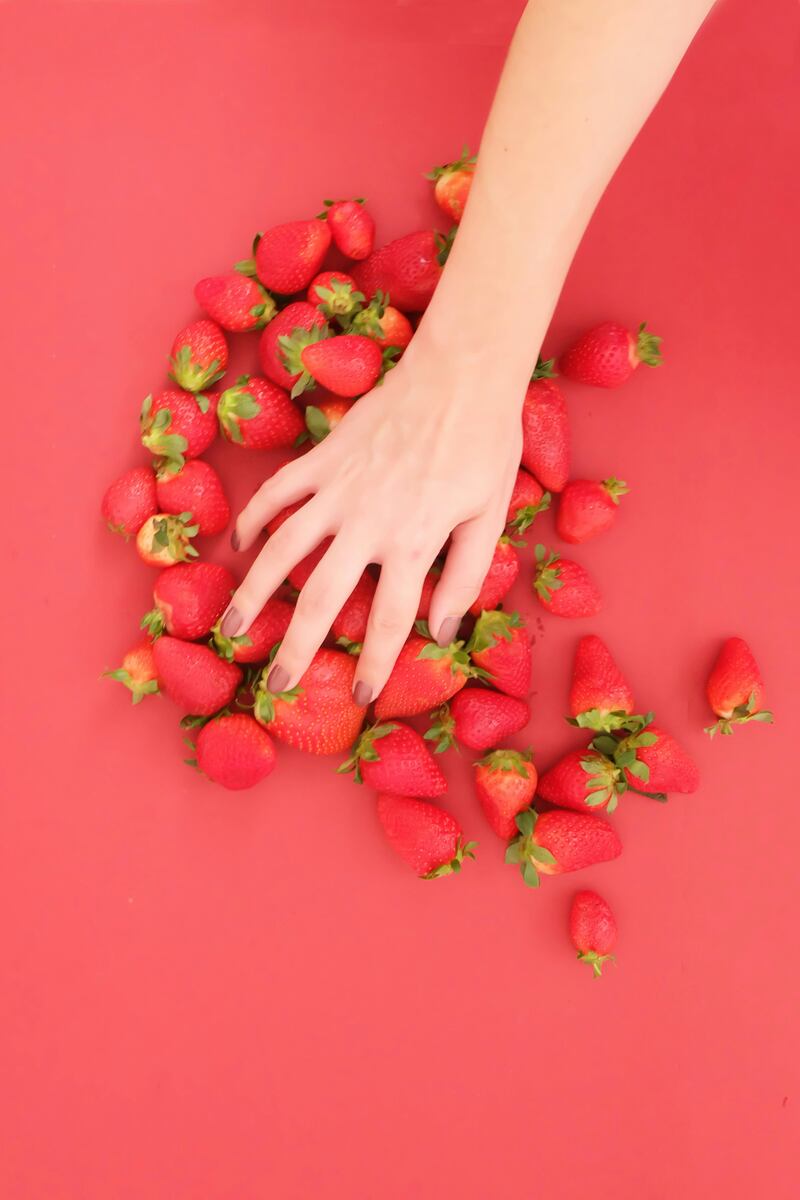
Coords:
556,842
235,301
287,257
582,779
194,677
609,354
735,689
477,718
505,781
426,837
429,586
258,415
385,324
347,365
545,430
195,488
527,500
298,576
234,751
255,646
129,501
176,425
564,587
452,182
199,356
352,227
271,348
500,577
138,671
336,296
500,648
424,676
319,715
350,624
586,508
324,416
408,269
165,539
661,762
599,697
393,757
593,930
189,598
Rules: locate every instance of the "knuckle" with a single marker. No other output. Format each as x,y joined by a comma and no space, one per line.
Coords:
385,621
311,600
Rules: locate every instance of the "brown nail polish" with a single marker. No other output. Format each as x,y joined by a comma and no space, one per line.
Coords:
235,540
277,679
362,694
231,623
447,631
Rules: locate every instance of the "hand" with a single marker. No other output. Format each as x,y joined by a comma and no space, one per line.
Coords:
430,454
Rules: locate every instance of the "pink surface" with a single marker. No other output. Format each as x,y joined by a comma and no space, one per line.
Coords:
217,997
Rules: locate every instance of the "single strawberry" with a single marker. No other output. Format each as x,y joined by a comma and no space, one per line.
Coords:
546,451
477,718
505,781
300,315
350,624
527,500
176,425
287,257
336,296
407,269
735,689
600,697
196,488
199,356
258,415
609,354
500,577
235,301
593,930
452,182
138,671
429,586
426,837
319,715
347,365
586,508
564,587
352,227
393,757
194,677
165,539
300,572
255,646
383,323
661,762
325,415
500,648
234,751
424,676
555,842
129,501
188,600
582,780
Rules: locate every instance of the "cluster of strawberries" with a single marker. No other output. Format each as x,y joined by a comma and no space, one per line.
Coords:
340,331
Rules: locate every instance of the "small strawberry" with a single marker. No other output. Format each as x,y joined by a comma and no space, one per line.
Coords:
347,365
735,689
500,648
176,425
500,577
319,715
235,301
557,841
564,587
324,416
429,586
199,356
287,257
300,315
393,757
599,697
452,184
255,646
336,296
350,624
527,500
586,508
546,449
196,488
138,671
258,415
129,501
352,227
593,930
407,269
165,539
383,323
194,677
424,676
477,718
609,354
234,751
426,837
189,599
661,762
505,781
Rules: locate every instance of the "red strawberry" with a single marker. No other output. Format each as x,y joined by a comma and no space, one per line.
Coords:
406,270
268,628
350,624
545,430
299,315
177,426
383,323
325,415
500,577
477,718
527,500
609,354
165,539
258,415
234,751
505,781
426,837
556,842
429,586
199,356
194,677
424,676
599,697
347,365
668,768
298,576
452,184
586,508
735,689
138,671
319,715
352,227
336,296
564,587
129,501
235,301
593,930
394,757
195,488
500,647
582,779
189,599
287,257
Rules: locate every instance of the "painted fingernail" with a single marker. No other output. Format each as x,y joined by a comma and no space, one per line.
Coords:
447,631
277,679
235,540
362,694
231,623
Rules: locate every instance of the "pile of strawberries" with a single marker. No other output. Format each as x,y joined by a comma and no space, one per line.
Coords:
325,337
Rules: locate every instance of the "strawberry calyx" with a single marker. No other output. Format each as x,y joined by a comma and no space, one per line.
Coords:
615,488
506,760
139,688
317,424
622,753
442,731
237,404
247,266
364,750
740,715
647,349
225,646
154,622
264,699
595,960
459,657
444,244
491,626
547,576
291,346
339,300
526,515
525,852
544,369
191,375
465,163
368,319
173,533
463,850
602,720
349,647
170,447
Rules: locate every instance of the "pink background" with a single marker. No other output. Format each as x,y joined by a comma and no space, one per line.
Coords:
218,997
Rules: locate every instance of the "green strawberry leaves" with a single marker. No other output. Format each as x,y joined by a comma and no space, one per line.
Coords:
493,625
290,349
237,404
525,852
138,688
648,347
547,577
526,515
459,164
545,369
506,761
463,850
364,750
442,731
740,716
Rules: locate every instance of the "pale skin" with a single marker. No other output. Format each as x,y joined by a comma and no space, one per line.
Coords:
432,453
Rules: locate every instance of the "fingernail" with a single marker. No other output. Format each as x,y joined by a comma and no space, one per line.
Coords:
235,540
231,623
277,679
362,694
447,631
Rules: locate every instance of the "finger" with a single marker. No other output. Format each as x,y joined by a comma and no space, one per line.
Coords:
391,619
468,559
291,483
